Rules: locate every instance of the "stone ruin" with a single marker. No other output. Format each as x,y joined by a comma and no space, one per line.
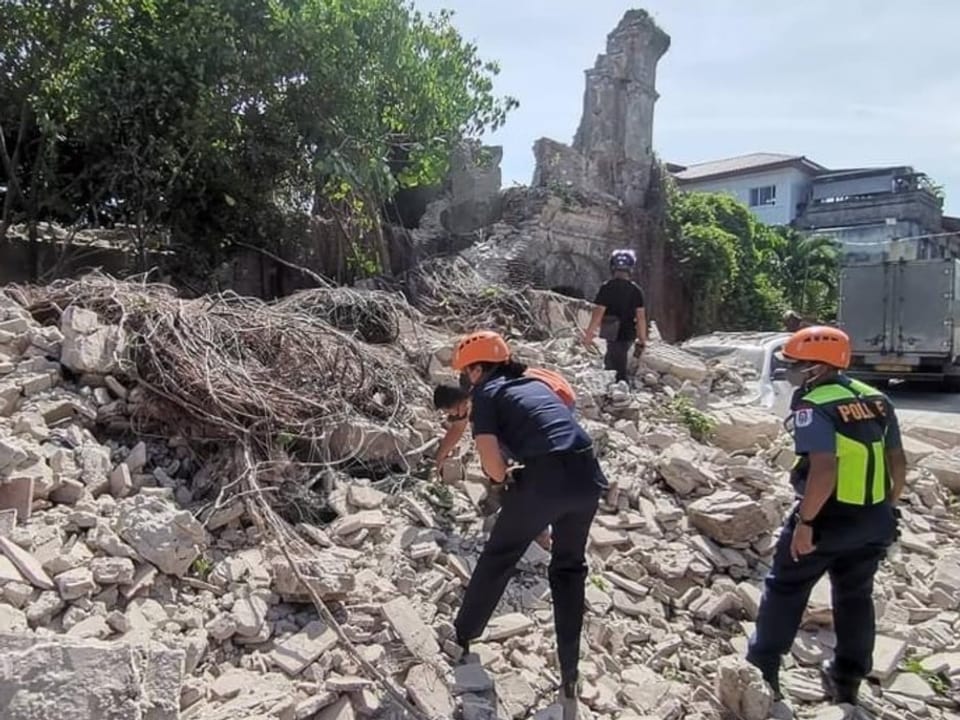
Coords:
612,152
586,199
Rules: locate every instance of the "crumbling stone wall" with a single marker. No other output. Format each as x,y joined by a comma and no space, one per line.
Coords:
612,152
599,194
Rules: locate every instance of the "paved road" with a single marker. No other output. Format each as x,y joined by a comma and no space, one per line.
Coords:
927,404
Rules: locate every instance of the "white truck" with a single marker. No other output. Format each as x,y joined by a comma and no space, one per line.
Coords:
902,319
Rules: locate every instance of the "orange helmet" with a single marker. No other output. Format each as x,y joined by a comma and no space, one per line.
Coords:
482,346
819,344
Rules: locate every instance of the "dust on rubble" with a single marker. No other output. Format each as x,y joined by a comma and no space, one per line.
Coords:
220,508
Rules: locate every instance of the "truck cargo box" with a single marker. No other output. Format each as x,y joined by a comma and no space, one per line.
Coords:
901,315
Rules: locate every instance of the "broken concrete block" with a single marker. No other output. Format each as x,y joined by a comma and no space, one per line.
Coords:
365,497
121,483
112,570
516,695
429,691
75,583
28,565
137,458
11,455
12,620
507,626
341,709
17,494
946,468
88,346
419,639
732,518
742,690
8,521
887,654
68,492
683,470
250,613
663,358
95,468
296,653
364,520
741,428
168,538
111,681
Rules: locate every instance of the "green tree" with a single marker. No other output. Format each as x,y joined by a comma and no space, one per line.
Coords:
807,269
724,258
223,121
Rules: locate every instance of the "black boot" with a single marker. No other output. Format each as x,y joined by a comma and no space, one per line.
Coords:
771,677
840,690
464,646
571,689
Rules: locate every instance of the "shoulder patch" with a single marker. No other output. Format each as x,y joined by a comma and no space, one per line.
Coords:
803,417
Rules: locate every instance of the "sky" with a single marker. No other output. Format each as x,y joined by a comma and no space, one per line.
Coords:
846,83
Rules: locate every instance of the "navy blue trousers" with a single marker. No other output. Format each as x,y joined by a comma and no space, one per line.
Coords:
849,551
562,491
617,359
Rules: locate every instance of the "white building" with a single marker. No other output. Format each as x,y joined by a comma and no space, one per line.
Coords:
775,187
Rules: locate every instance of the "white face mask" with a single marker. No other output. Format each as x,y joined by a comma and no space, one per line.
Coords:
803,374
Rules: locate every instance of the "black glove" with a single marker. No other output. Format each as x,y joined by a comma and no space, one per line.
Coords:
896,524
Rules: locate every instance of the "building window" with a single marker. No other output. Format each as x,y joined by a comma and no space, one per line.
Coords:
766,195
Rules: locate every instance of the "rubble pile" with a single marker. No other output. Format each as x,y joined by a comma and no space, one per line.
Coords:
140,578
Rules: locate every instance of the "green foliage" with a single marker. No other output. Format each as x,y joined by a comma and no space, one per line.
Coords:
698,423
937,683
807,268
741,274
599,583
722,252
202,567
219,119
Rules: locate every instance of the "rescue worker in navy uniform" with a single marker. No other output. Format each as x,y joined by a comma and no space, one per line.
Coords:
849,474
559,485
620,318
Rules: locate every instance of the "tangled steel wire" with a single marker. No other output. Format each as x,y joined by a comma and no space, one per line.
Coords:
238,366
451,292
373,315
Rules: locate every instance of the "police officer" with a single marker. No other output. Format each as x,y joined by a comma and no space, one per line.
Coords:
849,473
560,484
620,317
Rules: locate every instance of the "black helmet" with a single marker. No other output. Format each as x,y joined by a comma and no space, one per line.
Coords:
623,260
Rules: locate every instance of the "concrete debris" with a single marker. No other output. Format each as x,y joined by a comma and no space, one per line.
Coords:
419,639
429,691
732,518
88,346
169,539
669,360
741,689
744,427
684,471
294,654
108,681
125,575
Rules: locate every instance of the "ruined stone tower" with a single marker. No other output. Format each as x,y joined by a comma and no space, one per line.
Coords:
612,151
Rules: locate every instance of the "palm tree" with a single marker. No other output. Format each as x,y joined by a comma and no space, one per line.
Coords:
807,267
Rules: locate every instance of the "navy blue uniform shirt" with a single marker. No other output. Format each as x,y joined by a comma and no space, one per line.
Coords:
527,418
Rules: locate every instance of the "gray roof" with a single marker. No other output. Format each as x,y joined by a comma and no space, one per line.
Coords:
743,164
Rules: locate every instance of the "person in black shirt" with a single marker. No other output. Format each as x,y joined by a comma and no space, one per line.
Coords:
620,317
